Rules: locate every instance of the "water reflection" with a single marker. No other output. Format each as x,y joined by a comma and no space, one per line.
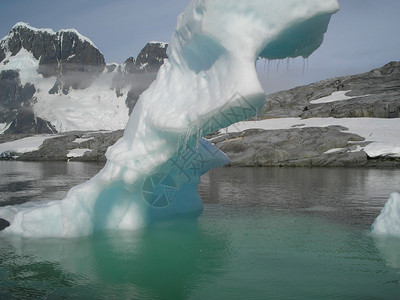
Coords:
228,253
351,196
390,250
34,181
163,261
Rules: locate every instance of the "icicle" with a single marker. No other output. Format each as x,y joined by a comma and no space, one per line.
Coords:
265,63
305,65
307,60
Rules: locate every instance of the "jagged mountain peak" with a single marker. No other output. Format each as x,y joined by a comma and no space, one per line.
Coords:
149,60
129,65
152,56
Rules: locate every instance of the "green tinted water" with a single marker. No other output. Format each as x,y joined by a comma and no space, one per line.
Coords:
227,254
249,243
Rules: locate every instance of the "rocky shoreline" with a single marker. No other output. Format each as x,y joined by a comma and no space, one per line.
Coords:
61,147
296,147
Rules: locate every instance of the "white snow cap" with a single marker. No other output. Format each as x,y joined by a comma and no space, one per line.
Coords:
26,25
50,31
162,44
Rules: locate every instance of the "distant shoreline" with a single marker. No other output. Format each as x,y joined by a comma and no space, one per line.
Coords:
92,146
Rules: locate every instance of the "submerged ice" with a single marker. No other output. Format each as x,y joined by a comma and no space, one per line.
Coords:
208,82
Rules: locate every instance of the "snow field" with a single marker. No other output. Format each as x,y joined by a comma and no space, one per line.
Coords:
384,134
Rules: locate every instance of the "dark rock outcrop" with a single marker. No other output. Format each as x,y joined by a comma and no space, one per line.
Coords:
293,147
2,54
377,95
151,57
139,73
58,147
16,103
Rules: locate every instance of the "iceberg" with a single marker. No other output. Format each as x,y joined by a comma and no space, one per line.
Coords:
208,82
388,221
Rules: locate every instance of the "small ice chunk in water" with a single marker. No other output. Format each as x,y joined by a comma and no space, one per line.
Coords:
388,222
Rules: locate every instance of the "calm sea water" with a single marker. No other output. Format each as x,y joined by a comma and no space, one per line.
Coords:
264,234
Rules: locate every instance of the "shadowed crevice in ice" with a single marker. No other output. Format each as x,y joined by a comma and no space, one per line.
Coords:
208,82
4,224
291,43
202,58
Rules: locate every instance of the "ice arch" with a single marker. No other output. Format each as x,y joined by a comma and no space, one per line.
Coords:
208,82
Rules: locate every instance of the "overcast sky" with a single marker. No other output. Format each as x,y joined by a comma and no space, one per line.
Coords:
363,35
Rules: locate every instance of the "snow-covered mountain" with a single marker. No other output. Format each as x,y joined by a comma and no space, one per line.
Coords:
59,81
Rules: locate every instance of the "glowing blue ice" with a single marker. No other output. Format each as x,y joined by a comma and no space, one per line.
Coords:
208,82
